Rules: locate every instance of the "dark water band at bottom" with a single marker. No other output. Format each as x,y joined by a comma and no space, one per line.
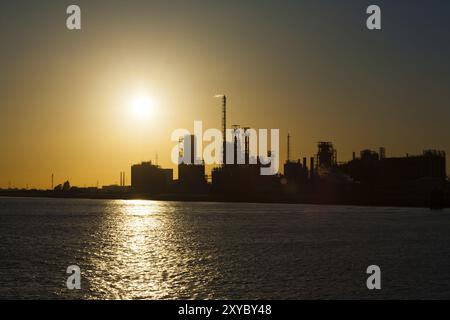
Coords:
339,195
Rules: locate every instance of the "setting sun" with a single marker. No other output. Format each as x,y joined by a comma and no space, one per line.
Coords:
142,106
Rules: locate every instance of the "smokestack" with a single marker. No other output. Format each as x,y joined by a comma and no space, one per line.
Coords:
224,128
289,147
311,169
235,146
354,155
246,146
193,149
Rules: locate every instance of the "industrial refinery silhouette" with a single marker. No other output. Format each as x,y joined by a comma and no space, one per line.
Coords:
371,178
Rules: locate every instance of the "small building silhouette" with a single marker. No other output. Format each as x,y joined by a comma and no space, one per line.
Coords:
295,172
191,171
150,179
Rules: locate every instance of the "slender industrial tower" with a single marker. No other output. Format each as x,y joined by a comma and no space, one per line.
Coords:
288,148
246,145
224,128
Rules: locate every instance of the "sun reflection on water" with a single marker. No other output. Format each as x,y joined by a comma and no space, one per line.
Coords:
131,234
139,207
148,250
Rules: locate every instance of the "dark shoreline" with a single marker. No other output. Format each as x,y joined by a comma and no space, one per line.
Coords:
263,198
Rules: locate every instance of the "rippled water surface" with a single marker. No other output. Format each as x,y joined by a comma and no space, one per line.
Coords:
174,250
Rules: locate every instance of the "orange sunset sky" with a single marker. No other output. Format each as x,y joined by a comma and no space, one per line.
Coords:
308,68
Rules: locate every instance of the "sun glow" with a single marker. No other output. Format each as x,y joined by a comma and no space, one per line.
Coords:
142,106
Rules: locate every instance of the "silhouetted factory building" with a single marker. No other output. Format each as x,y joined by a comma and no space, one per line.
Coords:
296,172
243,174
372,168
236,178
191,171
375,169
371,177
149,178
326,155
324,160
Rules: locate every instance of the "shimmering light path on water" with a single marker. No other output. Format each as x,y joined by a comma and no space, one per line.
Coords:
174,250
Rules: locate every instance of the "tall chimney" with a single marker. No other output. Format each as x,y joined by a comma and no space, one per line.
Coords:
193,149
311,169
289,147
235,146
246,146
224,128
